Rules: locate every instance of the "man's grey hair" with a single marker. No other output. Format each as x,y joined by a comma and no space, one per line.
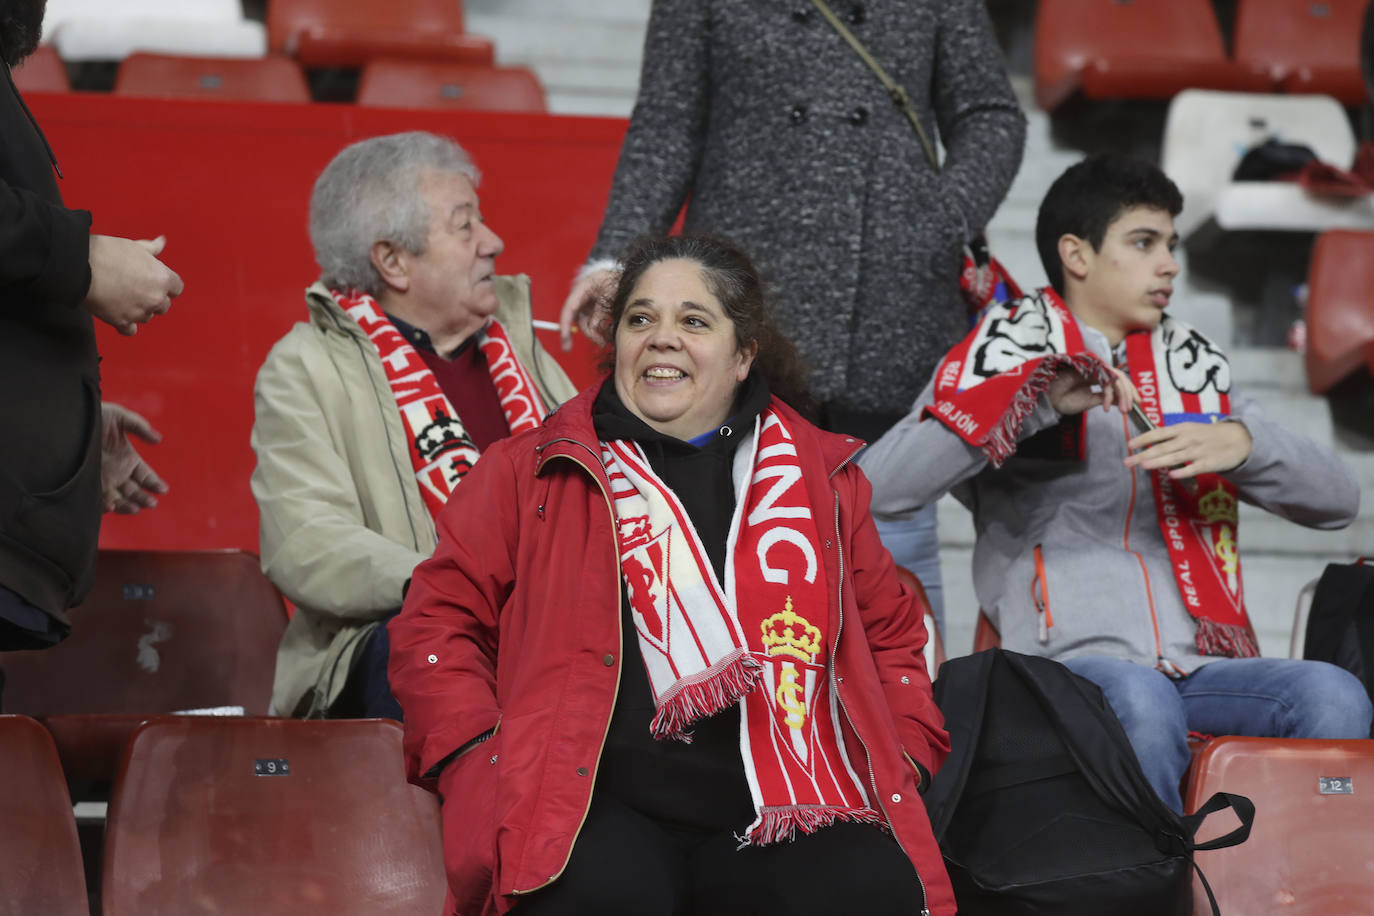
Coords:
371,192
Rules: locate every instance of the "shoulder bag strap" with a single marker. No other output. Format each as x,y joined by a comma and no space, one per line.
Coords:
895,90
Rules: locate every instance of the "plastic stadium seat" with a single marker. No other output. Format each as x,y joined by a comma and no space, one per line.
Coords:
42,71
273,817
1340,307
395,83
1309,851
1131,49
1207,133
105,30
935,644
329,33
40,856
985,635
160,632
266,79
1309,46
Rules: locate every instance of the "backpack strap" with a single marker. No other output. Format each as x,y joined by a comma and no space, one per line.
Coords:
1245,811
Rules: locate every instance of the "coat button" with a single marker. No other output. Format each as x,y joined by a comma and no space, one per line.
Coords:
802,16
581,771
434,659
905,679
857,14
609,660
896,798
859,116
797,114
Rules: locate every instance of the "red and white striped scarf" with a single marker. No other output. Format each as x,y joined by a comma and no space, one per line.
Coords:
441,451
992,380
759,640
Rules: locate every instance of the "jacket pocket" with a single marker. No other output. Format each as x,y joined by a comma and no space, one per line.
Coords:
1040,597
467,787
60,525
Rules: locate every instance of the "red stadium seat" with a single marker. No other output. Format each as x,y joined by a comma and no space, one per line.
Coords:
1131,49
1340,307
266,79
42,71
273,817
1305,46
327,33
40,856
985,635
935,647
160,632
393,83
1309,850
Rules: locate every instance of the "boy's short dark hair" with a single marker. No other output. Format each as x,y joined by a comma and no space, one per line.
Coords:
1090,195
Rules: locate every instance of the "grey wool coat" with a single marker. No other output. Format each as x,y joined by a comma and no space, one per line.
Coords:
761,117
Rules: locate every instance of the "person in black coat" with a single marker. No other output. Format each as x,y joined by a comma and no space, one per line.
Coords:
55,277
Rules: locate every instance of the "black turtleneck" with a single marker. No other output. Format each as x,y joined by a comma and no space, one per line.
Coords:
701,784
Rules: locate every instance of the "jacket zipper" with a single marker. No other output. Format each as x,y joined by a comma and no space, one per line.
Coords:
620,637
835,689
1040,595
1160,663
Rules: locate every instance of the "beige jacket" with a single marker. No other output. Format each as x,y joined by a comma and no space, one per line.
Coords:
343,523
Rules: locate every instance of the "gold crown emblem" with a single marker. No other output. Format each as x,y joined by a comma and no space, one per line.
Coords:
788,633
1217,506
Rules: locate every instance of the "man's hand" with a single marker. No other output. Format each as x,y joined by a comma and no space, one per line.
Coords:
129,285
589,304
1192,448
1070,393
126,482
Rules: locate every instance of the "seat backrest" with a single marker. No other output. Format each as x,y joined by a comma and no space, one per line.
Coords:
270,817
1340,310
935,641
1305,45
1206,133
267,79
160,631
287,19
396,83
42,71
1071,35
40,855
1309,849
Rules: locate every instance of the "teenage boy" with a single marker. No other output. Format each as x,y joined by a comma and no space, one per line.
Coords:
1106,539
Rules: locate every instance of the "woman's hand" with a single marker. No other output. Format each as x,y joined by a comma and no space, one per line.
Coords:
587,303
1071,393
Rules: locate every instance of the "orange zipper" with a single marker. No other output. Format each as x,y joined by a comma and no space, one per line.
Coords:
1126,545
1040,595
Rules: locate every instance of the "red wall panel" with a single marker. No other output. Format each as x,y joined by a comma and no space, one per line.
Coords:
228,183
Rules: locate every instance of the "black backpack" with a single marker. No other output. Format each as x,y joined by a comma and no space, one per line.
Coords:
1042,807
1340,625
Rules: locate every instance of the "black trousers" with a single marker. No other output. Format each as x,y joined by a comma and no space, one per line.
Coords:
625,864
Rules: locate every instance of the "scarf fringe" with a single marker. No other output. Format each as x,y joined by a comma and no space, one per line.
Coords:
777,825
705,694
1224,639
1001,440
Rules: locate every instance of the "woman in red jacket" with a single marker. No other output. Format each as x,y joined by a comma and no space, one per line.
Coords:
660,637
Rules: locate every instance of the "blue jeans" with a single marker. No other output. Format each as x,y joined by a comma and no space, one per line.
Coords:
915,543
1256,697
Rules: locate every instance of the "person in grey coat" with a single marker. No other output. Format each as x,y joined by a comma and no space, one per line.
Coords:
1070,559
776,134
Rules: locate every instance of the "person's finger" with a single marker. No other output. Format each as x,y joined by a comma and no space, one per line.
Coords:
566,316
592,322
152,246
134,423
174,285
1150,437
128,328
147,478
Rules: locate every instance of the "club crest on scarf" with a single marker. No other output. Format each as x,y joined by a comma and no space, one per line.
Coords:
757,640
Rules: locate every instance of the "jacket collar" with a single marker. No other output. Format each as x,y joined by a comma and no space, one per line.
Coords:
568,432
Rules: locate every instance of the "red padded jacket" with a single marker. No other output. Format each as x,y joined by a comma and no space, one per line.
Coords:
514,624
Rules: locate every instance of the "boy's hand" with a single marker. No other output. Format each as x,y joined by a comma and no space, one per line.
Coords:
1070,393
1192,448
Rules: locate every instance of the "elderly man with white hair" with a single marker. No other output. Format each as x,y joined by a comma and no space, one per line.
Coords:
416,357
